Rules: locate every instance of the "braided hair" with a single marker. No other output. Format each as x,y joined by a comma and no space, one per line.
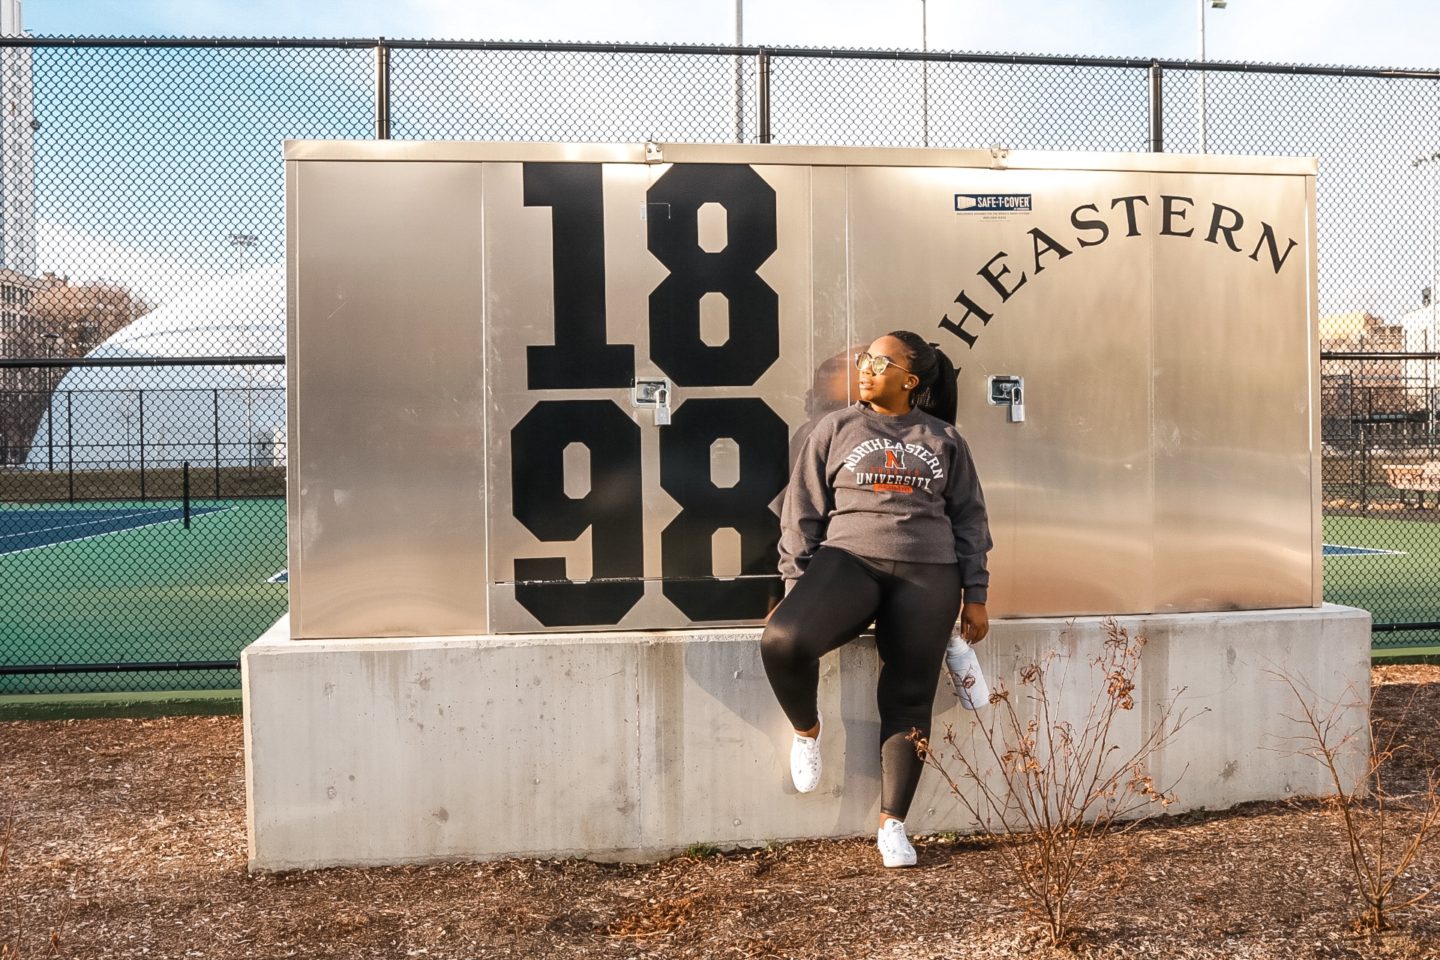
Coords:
936,392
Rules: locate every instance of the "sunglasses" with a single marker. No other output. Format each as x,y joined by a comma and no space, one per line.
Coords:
866,363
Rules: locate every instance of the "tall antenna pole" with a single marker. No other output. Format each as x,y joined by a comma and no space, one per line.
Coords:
925,71
1202,74
739,72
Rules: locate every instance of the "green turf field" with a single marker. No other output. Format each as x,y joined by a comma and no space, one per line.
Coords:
1403,587
149,594
165,593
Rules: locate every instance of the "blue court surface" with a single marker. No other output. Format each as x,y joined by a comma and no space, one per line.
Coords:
1339,550
27,529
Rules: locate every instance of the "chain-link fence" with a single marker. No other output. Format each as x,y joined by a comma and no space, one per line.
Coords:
142,442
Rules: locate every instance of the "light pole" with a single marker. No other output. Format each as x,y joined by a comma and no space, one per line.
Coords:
242,242
739,72
1432,336
925,72
1218,5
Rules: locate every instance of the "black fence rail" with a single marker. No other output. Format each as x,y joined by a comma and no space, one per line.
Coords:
116,443
142,281
142,522
1380,448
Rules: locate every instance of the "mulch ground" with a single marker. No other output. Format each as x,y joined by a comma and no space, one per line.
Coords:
129,841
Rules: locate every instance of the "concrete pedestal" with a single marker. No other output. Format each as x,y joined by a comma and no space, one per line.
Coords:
635,746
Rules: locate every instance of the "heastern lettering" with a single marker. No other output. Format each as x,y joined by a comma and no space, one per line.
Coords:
1003,277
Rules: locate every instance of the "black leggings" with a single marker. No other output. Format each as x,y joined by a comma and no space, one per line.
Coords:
913,606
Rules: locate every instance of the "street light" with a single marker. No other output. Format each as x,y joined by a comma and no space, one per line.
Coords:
242,242
925,72
1432,336
1218,5
739,72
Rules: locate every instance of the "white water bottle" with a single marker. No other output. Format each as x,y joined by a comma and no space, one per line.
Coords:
965,673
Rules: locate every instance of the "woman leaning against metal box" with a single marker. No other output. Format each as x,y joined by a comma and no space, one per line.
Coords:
884,521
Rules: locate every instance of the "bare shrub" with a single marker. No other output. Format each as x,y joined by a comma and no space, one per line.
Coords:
1060,787
11,943
1383,830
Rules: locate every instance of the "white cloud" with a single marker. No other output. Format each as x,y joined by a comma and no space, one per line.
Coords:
157,276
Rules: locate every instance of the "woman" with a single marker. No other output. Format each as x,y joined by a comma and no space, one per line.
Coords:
883,521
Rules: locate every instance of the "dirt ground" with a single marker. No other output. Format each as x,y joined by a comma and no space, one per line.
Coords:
129,841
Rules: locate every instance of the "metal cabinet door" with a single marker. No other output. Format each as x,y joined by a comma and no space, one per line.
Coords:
386,481
692,276
1234,360
1068,489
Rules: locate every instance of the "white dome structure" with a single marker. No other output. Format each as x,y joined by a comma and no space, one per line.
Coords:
161,416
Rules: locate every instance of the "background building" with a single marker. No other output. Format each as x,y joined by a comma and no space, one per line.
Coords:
18,125
120,418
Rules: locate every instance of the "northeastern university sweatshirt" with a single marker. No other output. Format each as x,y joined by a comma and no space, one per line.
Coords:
886,488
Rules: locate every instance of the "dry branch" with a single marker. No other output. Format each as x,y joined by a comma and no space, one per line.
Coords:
1381,849
1060,788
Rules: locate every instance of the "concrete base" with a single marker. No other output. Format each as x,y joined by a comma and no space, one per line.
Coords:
635,746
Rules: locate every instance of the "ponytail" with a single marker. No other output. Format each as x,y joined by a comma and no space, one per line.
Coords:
936,392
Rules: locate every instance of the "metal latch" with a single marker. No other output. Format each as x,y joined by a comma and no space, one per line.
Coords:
1009,391
653,392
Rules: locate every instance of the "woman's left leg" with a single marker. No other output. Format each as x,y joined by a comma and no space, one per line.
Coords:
918,610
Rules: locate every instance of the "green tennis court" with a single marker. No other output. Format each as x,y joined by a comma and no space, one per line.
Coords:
82,587
1399,584
125,581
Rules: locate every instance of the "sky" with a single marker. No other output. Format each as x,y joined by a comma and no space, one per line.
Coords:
109,232
1374,33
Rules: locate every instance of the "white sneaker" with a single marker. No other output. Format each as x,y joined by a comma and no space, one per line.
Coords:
895,848
805,762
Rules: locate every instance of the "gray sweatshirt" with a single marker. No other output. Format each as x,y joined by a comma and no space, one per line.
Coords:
886,488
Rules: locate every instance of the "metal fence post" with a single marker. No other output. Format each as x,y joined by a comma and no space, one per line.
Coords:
1157,108
70,443
764,69
382,90
215,403
50,432
1367,434
141,394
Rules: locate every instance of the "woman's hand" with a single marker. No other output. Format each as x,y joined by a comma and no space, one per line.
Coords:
974,622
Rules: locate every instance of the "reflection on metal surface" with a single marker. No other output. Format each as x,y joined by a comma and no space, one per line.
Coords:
724,462
725,548
1069,490
576,464
555,412
1232,412
387,494
713,227
714,319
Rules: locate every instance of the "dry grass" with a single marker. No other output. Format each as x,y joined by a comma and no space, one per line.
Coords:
129,840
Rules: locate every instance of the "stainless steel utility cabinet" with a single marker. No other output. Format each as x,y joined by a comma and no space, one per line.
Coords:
555,387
